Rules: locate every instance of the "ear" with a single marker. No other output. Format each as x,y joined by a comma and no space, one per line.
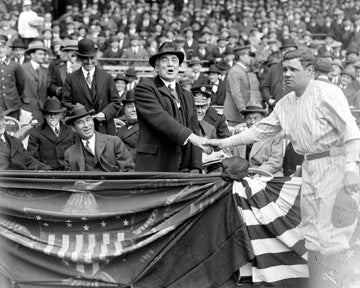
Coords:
310,69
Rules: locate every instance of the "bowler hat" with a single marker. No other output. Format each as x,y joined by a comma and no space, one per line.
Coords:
214,69
121,77
53,105
35,45
18,43
129,97
287,43
86,48
166,48
130,72
78,111
322,65
253,107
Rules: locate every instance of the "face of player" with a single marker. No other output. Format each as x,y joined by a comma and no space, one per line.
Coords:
295,75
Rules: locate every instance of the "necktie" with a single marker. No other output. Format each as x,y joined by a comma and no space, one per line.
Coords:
37,70
174,94
57,131
88,79
88,147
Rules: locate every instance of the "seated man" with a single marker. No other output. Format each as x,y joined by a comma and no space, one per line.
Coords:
265,155
94,151
48,142
13,156
129,133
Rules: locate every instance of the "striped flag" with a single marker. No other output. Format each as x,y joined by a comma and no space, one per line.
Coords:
271,209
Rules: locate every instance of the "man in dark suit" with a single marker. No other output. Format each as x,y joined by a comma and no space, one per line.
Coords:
94,151
167,118
13,156
94,88
218,87
199,78
48,142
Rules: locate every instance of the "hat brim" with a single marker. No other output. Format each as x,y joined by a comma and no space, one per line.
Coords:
54,111
71,119
179,54
122,79
85,55
32,49
288,46
246,111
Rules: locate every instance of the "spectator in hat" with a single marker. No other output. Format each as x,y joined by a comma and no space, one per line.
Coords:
201,50
93,87
198,77
216,53
272,86
224,68
13,156
58,73
129,133
47,37
36,80
94,151
180,45
229,56
233,38
347,85
336,68
132,77
113,51
190,43
48,142
18,48
135,51
168,126
121,82
7,30
265,155
28,23
217,86
238,86
12,81
322,69
328,45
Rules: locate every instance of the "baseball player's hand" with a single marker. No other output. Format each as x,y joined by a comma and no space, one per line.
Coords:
352,182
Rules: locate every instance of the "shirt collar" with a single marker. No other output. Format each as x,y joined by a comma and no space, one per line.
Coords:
91,142
34,64
85,72
172,84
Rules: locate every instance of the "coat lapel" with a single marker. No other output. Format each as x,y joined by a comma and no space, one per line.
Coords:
62,71
31,70
255,148
100,143
79,156
49,133
83,85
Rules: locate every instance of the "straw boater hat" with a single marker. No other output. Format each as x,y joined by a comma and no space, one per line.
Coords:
53,105
166,48
35,45
253,107
78,111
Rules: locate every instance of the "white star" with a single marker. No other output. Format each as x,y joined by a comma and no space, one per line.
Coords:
38,217
126,223
357,243
103,223
83,218
86,228
69,225
46,224
68,221
350,253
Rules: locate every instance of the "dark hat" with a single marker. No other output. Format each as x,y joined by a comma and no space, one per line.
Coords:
240,50
214,69
233,33
114,38
201,40
166,48
352,50
194,61
53,105
222,65
345,210
78,111
179,38
86,48
253,107
348,71
18,43
288,42
322,65
222,38
130,72
327,54
121,77
3,39
129,97
337,62
201,94
35,45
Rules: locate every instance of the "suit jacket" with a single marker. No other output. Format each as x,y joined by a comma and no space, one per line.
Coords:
129,134
160,133
19,158
266,155
218,121
110,152
207,130
351,93
218,98
129,54
237,93
214,54
49,149
104,98
35,91
201,80
197,53
272,85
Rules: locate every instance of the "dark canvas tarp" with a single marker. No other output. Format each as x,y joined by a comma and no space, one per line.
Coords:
119,230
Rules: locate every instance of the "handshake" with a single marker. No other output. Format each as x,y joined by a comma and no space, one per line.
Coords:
207,145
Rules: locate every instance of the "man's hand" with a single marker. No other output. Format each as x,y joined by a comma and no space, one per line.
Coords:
100,116
215,143
198,141
352,182
240,128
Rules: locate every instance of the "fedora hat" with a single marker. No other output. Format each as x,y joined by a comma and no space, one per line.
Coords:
121,77
287,43
222,65
166,48
53,105
348,71
253,107
322,65
35,45
130,72
194,61
214,69
78,111
129,97
337,62
86,48
18,43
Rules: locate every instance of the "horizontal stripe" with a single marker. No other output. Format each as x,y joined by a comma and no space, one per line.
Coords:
286,283
274,259
264,246
278,273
